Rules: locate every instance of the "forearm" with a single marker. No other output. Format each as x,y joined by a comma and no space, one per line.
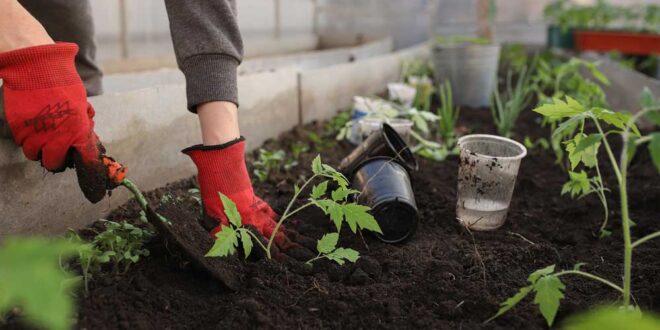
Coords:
19,28
208,48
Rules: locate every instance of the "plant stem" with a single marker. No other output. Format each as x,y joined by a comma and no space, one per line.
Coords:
610,154
258,240
286,214
603,198
136,192
645,239
591,276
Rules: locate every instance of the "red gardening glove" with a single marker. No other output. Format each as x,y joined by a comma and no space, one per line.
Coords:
46,108
222,169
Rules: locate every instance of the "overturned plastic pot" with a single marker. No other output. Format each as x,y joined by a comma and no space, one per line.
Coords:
385,187
384,143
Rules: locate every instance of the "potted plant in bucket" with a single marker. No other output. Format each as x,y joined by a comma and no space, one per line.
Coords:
469,63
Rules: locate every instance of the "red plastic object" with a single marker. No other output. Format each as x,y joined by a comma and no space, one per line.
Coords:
630,43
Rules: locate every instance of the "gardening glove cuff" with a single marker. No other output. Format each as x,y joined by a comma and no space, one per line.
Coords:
222,169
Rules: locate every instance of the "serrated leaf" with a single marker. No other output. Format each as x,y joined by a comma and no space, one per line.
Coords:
344,254
246,241
319,190
568,126
587,154
359,214
511,302
327,243
225,243
654,149
533,277
332,209
317,166
560,109
588,142
549,293
341,193
230,210
578,185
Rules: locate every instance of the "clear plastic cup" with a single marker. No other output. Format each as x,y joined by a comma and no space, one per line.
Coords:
402,93
486,178
369,125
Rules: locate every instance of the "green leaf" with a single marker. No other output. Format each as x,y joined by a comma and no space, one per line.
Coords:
230,210
533,277
597,73
613,318
511,302
319,190
588,142
327,243
343,254
578,185
341,193
560,109
654,149
31,278
359,214
225,243
333,209
317,165
583,149
549,293
246,241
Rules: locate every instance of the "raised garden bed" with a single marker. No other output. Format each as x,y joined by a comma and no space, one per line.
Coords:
444,277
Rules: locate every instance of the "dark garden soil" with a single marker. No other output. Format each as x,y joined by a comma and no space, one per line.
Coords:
444,277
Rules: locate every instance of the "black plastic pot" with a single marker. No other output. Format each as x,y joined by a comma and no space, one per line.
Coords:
385,188
384,143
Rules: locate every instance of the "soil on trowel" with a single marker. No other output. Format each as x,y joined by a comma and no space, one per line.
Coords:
445,277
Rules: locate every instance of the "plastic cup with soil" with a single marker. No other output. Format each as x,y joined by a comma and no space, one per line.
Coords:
385,187
486,178
368,125
383,143
402,93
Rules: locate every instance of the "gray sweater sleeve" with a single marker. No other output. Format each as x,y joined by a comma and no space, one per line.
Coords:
208,48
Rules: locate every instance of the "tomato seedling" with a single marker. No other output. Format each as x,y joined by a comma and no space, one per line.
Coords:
337,207
546,283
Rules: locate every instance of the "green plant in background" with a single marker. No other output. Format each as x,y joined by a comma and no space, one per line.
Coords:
461,40
546,283
514,56
270,162
327,249
299,148
415,68
337,123
32,281
556,79
123,243
448,114
506,106
540,142
337,207
424,94
90,258
319,144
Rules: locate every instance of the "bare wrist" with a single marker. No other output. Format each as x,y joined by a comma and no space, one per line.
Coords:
19,28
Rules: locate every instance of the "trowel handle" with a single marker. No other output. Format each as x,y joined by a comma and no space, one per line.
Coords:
116,171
